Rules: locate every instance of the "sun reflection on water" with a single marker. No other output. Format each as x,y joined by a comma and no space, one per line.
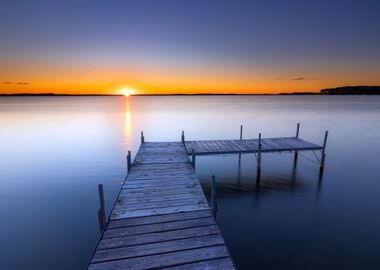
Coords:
127,124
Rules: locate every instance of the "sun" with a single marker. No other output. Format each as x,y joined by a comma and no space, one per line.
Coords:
127,92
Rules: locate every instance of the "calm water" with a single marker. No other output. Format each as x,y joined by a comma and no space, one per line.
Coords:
54,151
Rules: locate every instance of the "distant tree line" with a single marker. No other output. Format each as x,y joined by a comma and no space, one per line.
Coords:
352,90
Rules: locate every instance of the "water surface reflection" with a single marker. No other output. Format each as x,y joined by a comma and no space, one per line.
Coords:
56,150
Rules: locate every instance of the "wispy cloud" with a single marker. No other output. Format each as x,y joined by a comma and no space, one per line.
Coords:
299,79
22,83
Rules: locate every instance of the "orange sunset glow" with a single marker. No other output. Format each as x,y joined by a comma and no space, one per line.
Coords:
70,81
186,50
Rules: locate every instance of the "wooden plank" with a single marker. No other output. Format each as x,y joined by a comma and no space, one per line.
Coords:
159,204
193,185
165,259
158,219
157,237
282,143
251,145
161,227
169,166
162,171
116,214
168,175
160,193
150,184
132,200
218,264
238,145
157,248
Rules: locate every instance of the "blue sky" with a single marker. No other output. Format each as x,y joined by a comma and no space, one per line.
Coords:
250,40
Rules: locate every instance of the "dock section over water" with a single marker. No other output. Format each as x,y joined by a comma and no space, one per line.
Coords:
283,144
256,146
161,218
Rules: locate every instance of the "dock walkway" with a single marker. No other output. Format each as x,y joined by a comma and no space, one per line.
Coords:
282,144
161,219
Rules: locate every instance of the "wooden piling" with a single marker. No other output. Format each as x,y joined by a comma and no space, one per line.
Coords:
193,157
323,152
241,138
214,206
298,130
101,211
296,152
183,137
142,137
129,163
258,175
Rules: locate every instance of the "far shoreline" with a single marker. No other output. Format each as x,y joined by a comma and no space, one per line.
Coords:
343,90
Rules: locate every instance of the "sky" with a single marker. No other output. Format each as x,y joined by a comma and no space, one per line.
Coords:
191,46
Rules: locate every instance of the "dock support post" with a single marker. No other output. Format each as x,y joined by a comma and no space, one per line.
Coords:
323,154
296,152
241,138
214,206
142,137
258,175
129,161
101,210
183,137
193,157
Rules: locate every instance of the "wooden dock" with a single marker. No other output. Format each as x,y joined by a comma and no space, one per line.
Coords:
256,146
161,218
283,144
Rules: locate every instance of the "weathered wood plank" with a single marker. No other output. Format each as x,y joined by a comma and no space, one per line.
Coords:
157,237
158,219
161,227
193,185
165,259
151,184
161,193
116,214
159,204
132,200
158,248
218,264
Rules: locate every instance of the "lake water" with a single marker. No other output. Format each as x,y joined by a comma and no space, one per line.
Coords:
54,151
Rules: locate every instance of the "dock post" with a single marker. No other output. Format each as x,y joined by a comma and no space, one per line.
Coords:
296,152
193,157
214,206
323,155
183,137
101,210
142,137
241,138
258,175
129,161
